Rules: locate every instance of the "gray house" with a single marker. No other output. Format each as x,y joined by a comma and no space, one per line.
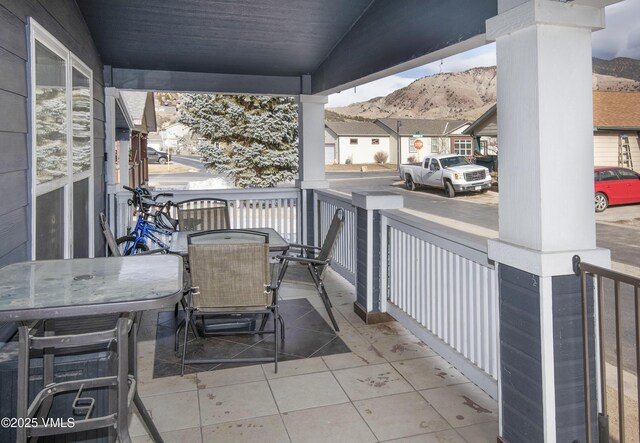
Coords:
63,63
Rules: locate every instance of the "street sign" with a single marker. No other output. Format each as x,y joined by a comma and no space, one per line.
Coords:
417,135
418,144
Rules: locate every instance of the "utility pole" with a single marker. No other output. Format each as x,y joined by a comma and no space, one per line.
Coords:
398,126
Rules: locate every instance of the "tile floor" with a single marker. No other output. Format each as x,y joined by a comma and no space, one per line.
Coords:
390,387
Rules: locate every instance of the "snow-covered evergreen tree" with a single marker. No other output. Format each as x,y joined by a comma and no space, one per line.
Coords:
253,139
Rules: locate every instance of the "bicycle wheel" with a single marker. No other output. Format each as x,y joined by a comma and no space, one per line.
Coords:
125,245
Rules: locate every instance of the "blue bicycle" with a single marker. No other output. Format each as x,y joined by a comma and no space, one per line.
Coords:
153,219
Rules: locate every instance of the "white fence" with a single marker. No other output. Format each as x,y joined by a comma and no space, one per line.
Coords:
344,255
441,285
275,208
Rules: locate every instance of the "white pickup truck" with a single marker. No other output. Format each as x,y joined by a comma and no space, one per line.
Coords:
453,173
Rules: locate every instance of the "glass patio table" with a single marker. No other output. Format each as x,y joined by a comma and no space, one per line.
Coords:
63,289
179,240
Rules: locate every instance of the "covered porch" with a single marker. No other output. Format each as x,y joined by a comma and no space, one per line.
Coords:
384,384
484,312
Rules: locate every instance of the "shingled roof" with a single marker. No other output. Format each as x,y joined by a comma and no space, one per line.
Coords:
616,110
355,128
410,126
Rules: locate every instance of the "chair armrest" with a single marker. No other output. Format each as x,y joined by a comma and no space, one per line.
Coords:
275,274
311,261
298,246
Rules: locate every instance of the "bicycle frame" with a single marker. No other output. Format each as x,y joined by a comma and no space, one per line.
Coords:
143,231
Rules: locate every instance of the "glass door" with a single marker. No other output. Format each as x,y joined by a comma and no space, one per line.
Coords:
62,150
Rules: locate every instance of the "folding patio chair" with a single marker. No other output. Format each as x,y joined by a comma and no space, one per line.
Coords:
203,214
230,275
317,260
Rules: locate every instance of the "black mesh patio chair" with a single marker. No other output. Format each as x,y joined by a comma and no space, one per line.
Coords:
317,260
230,274
203,214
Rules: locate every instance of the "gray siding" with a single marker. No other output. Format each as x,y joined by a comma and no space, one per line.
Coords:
568,358
64,21
520,355
362,255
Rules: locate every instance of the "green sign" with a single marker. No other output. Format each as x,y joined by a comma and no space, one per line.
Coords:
417,135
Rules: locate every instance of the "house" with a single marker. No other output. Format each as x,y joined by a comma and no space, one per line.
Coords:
63,64
616,121
354,142
140,107
420,137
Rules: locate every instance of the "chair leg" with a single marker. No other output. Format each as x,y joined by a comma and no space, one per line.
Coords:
177,336
324,296
263,323
184,347
275,338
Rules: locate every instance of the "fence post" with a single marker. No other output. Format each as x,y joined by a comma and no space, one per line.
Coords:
368,252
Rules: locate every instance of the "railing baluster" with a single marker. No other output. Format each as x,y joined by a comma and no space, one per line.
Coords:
619,359
585,356
603,371
636,294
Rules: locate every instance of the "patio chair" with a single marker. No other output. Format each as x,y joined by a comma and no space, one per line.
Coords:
230,275
317,260
202,214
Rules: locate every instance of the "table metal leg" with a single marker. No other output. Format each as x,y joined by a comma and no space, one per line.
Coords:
123,380
146,419
23,381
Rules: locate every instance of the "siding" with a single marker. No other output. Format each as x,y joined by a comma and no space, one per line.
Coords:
362,152
568,358
520,355
63,20
605,148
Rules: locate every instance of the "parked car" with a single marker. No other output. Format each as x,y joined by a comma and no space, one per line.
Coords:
157,156
615,186
451,172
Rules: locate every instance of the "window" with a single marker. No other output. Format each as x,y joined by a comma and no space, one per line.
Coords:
61,148
440,144
625,174
353,141
463,147
606,175
375,141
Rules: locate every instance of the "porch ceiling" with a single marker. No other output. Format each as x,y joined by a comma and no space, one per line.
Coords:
336,42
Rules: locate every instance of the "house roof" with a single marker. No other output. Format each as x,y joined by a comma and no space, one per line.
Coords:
356,128
616,110
410,126
141,108
482,120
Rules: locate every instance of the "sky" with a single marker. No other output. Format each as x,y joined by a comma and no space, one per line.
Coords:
621,38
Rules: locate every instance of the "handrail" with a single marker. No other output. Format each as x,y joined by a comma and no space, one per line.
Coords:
582,269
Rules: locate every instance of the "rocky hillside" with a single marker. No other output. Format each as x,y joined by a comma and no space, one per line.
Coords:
628,68
467,95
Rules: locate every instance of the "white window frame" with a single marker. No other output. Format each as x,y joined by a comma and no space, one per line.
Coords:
38,33
467,148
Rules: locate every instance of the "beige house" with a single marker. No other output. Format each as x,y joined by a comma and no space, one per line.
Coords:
413,138
616,122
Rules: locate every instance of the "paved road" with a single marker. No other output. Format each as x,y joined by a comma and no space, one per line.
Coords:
193,162
482,210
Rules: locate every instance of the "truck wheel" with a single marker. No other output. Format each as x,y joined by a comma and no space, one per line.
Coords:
448,190
409,184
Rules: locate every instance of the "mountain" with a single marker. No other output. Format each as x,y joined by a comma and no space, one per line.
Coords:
618,67
467,95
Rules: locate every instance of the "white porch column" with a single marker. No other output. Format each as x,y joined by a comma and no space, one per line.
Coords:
546,212
311,153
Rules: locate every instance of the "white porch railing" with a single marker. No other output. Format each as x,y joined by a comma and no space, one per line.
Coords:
275,208
344,256
441,286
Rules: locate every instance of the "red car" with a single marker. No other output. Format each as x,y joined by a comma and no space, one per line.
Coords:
615,186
